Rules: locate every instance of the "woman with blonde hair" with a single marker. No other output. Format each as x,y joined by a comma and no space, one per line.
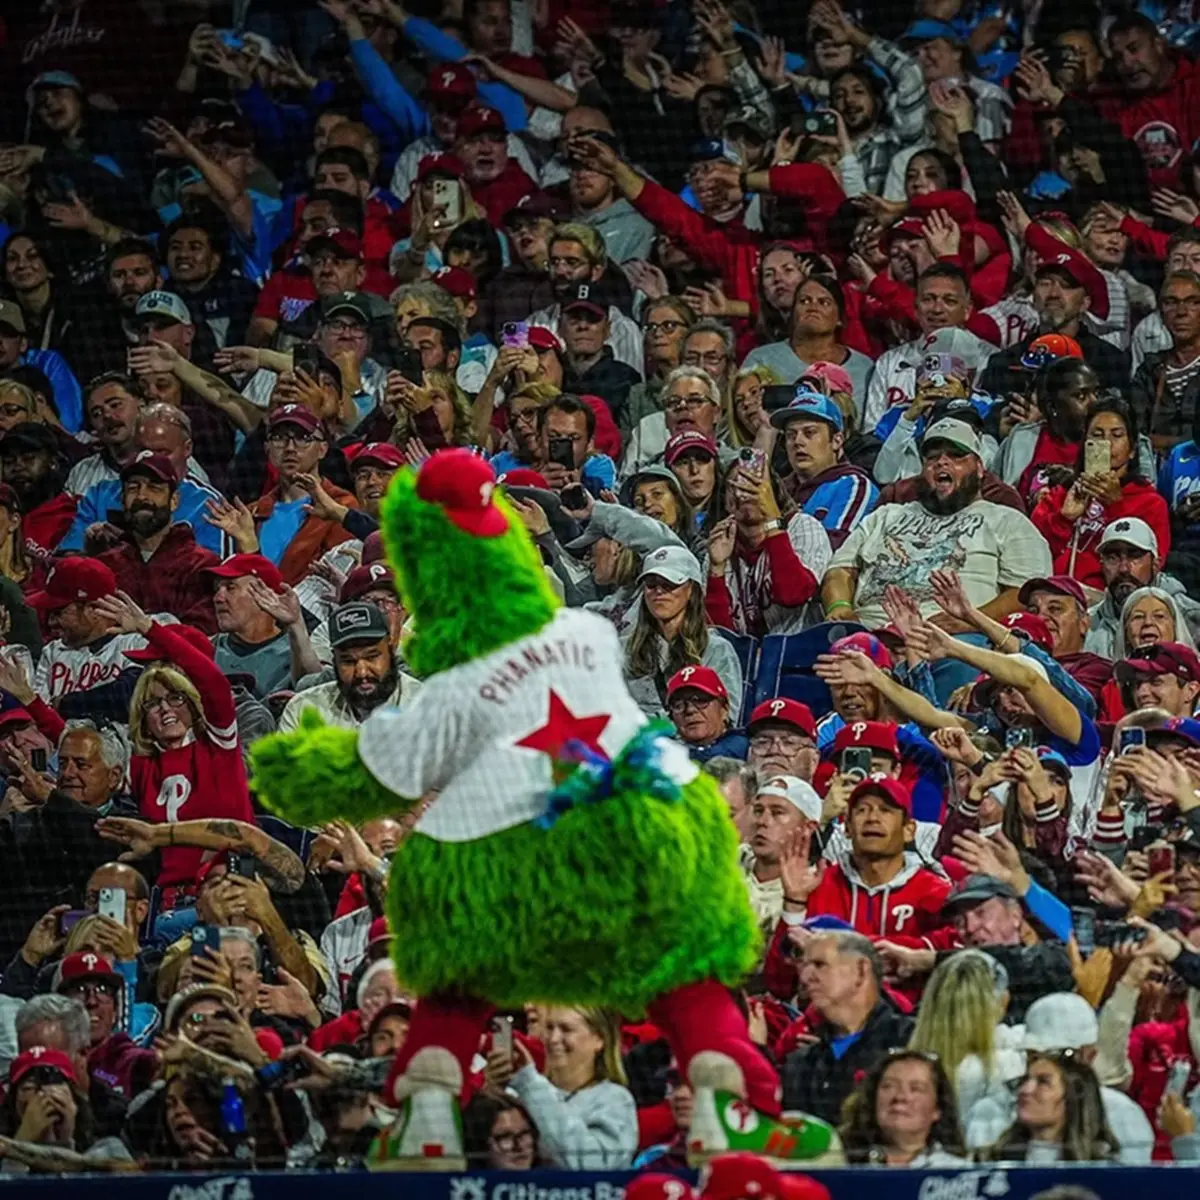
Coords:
584,1114
18,404
744,413
431,416
959,1021
187,757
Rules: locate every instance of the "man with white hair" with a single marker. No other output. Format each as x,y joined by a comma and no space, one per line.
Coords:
691,399
1065,1021
783,816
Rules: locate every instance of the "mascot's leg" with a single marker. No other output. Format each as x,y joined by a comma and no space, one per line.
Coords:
735,1089
425,1083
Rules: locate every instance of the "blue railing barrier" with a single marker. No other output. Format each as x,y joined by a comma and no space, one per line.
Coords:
1166,1182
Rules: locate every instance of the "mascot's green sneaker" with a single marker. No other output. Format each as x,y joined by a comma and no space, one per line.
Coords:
427,1134
722,1122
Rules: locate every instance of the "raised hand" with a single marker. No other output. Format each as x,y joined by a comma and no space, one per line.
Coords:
956,745
1174,205
155,358
236,358
901,609
170,141
797,876
942,233
1016,219
846,667
950,595
123,614
71,214
1035,83
646,278
283,606
720,544
235,519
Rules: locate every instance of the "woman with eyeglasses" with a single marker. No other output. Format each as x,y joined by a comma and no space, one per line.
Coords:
583,1112
498,1134
1060,1115
903,1115
671,631
665,325
960,1020
1108,485
187,757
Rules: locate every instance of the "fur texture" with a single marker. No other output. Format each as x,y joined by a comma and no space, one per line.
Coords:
613,905
468,595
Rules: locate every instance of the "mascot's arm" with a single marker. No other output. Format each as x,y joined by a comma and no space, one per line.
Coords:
315,775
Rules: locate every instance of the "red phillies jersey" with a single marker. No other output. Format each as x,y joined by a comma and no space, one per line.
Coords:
205,777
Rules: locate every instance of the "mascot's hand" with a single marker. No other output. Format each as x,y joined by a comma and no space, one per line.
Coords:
313,775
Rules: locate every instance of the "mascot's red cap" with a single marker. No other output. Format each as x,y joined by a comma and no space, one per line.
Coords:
462,483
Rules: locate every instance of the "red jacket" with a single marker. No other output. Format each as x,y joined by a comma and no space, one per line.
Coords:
171,580
45,526
1081,538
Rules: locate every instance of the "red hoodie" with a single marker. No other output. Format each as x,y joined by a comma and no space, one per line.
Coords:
907,911
1162,124
1137,500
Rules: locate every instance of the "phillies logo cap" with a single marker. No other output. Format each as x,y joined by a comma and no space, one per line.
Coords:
785,712
697,679
462,485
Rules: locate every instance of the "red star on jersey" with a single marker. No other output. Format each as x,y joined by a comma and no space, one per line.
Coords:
563,726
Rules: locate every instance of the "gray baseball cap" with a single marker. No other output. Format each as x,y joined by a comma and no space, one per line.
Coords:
357,621
163,304
675,564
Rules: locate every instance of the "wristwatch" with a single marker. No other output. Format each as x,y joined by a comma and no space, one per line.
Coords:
772,526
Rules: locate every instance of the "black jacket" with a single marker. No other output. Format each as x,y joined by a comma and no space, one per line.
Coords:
1003,374
816,1082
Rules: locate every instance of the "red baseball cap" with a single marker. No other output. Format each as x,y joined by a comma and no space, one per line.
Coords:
156,466
367,578
868,644
688,439
15,716
190,634
1064,585
1034,628
476,120
1081,271
787,712
345,243
890,789
381,454
72,579
543,338
379,931
524,477
741,1176
698,679
85,964
41,1056
441,164
657,1186
458,281
873,735
1161,658
461,484
299,415
373,548
450,84
238,565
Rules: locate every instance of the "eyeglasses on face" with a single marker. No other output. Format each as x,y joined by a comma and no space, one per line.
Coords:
282,437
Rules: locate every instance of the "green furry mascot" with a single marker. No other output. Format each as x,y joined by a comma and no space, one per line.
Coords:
571,854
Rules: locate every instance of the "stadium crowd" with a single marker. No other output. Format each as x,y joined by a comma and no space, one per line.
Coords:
846,358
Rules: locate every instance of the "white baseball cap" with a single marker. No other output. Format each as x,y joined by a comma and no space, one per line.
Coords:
675,564
957,433
1060,1021
1132,531
953,340
796,792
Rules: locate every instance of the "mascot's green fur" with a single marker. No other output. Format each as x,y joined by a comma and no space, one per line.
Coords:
613,904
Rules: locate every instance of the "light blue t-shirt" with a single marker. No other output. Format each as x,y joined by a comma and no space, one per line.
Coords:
276,532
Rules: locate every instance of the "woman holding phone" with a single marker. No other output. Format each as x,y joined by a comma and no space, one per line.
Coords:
429,416
1108,485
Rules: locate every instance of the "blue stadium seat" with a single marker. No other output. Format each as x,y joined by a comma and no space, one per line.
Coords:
786,660
746,648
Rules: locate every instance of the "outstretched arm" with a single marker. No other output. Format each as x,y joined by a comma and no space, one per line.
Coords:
314,776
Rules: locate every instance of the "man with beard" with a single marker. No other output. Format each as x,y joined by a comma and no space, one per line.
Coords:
1128,553
595,201
31,464
949,526
1064,288
367,673
577,255
157,563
